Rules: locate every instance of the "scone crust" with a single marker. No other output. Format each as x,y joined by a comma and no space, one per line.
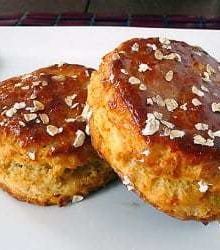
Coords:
170,170
46,156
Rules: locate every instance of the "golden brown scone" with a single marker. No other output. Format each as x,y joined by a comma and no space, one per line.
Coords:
155,118
45,155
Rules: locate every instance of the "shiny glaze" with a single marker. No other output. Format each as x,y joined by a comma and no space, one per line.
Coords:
52,96
186,74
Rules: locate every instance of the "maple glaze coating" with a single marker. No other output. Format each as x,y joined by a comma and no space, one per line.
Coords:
186,73
52,95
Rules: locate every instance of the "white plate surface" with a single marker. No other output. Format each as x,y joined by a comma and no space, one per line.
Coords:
111,219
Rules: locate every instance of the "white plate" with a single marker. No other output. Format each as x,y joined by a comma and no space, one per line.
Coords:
111,219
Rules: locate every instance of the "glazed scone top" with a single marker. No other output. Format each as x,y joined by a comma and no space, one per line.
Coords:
172,92
47,107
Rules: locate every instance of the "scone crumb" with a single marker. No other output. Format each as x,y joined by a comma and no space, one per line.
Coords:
80,138
77,198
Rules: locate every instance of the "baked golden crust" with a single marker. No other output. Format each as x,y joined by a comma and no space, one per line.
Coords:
158,124
45,155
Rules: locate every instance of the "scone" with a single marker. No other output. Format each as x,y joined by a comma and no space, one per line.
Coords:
155,118
45,155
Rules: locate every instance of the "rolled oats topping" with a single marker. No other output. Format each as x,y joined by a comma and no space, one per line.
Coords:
176,134
196,102
80,138
124,71
10,112
126,181
204,88
184,106
152,46
143,67
152,125
206,77
142,87
19,105
77,198
203,186
115,56
158,55
158,100
69,100
135,47
44,118
210,70
216,107
197,91
171,104
201,126
59,78
134,80
169,76
198,139
38,106
167,124
32,155
30,117
53,130
164,40
149,101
